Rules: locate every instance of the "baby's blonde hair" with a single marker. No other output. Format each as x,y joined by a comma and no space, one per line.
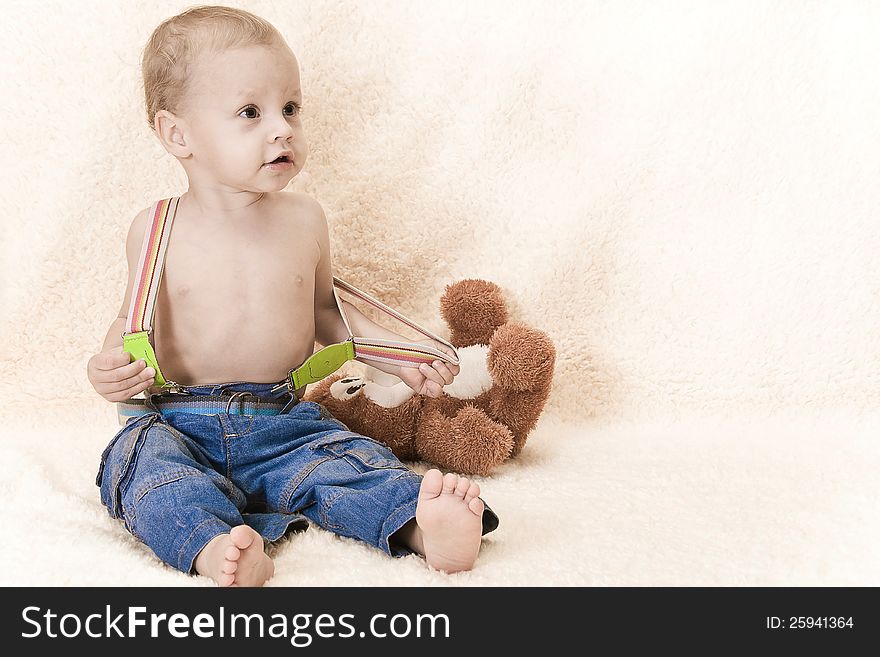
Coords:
177,41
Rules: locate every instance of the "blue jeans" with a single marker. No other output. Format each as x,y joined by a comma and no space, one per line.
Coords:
178,479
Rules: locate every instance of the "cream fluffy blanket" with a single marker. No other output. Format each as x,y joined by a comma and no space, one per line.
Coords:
680,193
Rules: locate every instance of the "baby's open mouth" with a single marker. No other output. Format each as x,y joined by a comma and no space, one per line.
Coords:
279,159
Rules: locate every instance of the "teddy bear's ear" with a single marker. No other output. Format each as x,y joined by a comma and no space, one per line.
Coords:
473,309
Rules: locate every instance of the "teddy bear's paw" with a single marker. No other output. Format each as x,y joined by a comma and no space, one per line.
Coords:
347,388
473,309
521,358
470,443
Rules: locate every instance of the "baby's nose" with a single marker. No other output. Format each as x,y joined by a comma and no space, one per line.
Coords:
283,132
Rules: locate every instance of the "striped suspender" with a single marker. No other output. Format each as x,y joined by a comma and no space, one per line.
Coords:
405,354
139,326
150,266
321,364
325,361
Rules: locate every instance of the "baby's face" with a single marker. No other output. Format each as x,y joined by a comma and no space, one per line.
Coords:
242,109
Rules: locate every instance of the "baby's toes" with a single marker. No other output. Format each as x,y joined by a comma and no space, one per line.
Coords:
450,480
473,492
242,536
232,553
476,506
226,579
229,567
432,484
462,487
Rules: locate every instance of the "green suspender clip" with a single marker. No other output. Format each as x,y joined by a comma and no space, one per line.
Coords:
138,345
320,365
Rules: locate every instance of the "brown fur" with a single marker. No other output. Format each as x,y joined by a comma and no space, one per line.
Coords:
470,436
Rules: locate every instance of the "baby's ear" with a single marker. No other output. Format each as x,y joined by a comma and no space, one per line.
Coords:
171,132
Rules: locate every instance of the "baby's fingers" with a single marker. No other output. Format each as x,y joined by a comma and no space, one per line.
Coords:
433,389
445,372
454,369
111,360
130,371
127,388
146,376
432,376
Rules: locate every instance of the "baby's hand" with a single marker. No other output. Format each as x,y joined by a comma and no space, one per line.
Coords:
430,379
116,378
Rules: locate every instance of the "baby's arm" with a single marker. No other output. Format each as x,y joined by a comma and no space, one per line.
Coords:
330,328
111,372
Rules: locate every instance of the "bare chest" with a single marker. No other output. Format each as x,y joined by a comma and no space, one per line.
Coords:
235,305
238,269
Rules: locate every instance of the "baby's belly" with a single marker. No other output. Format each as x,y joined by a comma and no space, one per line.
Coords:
238,342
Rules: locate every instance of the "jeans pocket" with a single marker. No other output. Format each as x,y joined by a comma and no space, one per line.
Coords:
117,460
361,452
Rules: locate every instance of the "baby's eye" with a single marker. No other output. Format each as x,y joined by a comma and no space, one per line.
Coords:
250,111
292,109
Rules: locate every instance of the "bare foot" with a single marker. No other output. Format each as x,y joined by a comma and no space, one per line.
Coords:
449,515
236,559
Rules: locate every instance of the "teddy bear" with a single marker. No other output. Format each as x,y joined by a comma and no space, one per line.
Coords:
480,420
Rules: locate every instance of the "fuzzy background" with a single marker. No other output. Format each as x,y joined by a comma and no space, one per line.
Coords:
682,194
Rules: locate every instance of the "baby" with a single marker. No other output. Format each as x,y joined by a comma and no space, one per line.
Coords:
214,466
